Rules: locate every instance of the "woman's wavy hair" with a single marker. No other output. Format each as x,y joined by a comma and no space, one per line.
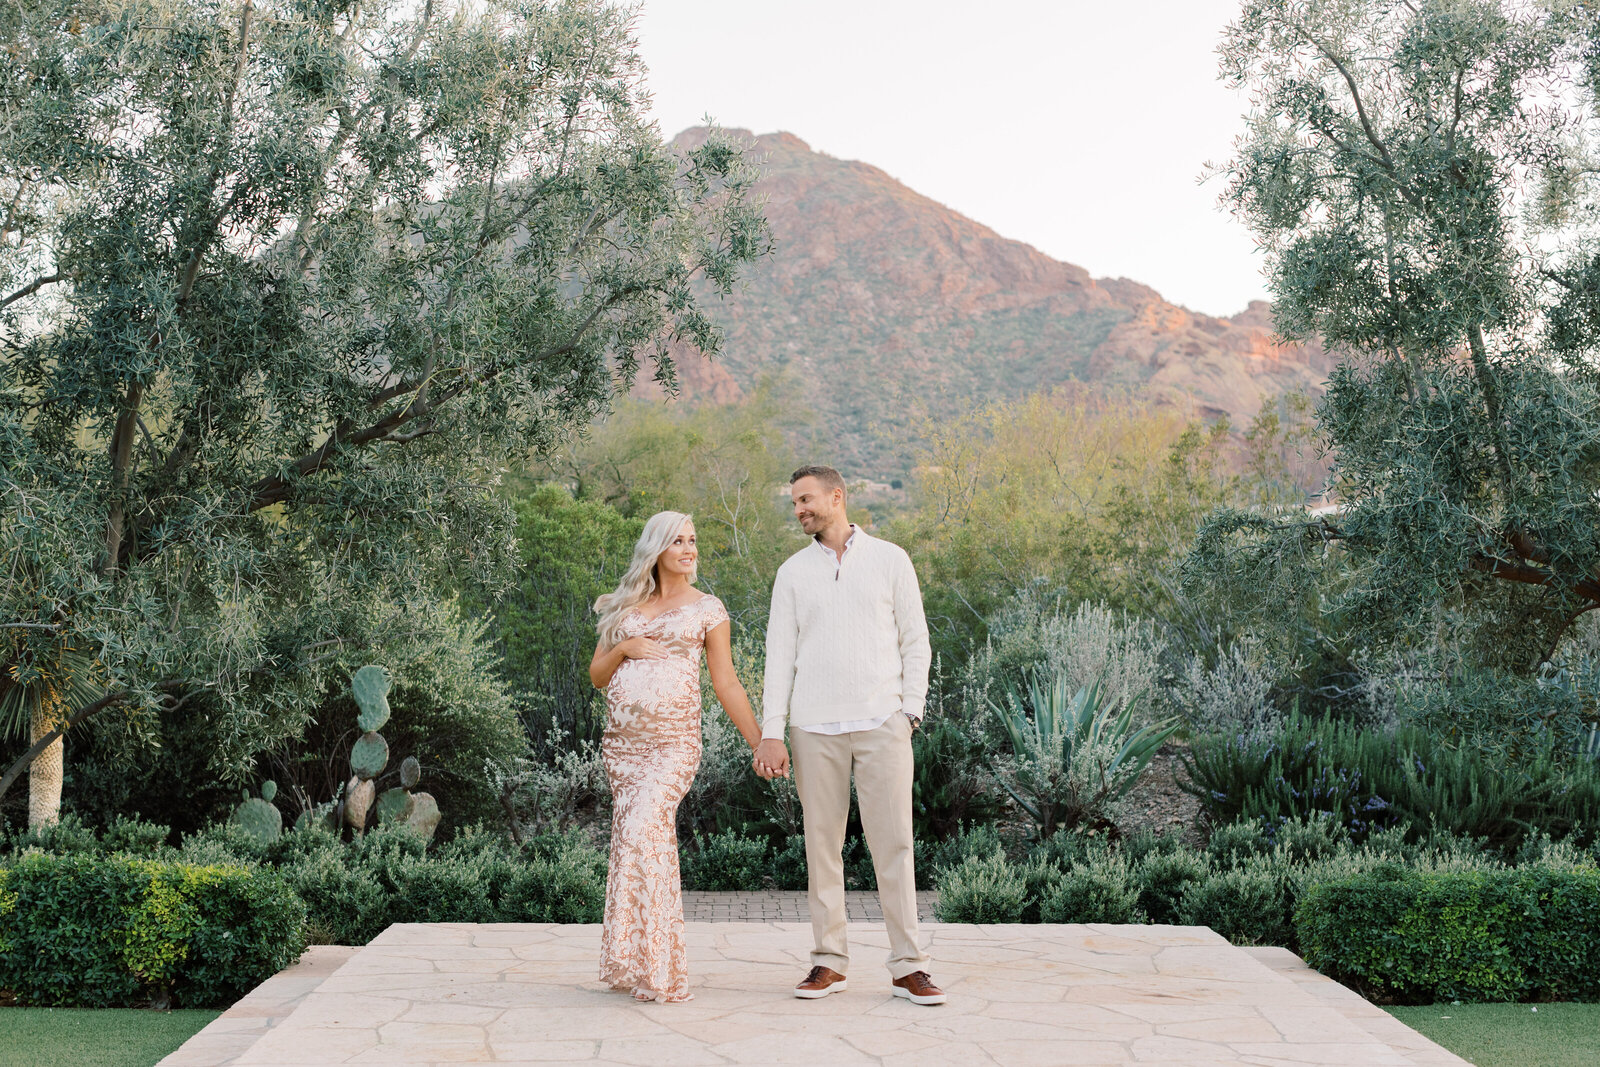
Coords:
641,580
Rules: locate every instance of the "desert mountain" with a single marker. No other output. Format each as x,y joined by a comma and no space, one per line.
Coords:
889,309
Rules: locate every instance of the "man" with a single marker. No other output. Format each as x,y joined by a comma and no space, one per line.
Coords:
847,669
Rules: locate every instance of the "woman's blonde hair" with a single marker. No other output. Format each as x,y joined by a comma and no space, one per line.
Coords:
641,580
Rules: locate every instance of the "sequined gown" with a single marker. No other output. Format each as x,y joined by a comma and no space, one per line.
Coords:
651,750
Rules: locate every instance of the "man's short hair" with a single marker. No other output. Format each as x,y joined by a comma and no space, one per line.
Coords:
830,478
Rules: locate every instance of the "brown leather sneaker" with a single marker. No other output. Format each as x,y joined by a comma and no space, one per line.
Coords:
819,982
918,988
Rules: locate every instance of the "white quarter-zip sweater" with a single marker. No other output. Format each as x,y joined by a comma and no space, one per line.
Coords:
846,641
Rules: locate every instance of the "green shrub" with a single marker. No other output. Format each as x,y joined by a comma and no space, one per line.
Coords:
789,865
345,904
61,838
134,836
1161,878
427,889
102,931
1532,933
1040,876
223,843
1306,840
982,890
1100,891
1142,843
561,880
725,861
1232,843
1067,847
1246,905
252,926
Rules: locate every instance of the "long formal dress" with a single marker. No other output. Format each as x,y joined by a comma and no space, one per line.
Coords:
651,749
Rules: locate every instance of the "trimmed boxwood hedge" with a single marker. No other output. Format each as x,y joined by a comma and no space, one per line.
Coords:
104,931
1411,936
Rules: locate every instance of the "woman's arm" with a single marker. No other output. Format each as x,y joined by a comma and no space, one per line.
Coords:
730,694
607,660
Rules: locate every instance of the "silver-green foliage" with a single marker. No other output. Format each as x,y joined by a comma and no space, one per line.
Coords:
552,794
1089,643
284,284
1233,695
1101,890
1074,754
1422,179
982,889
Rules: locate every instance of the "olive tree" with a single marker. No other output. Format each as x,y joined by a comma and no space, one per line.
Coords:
284,285
1420,175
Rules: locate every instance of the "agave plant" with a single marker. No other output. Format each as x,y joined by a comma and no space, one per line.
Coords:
1074,755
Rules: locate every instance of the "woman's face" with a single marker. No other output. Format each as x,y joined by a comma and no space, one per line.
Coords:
681,555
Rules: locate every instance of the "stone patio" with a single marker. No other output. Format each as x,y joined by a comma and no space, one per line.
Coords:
1072,994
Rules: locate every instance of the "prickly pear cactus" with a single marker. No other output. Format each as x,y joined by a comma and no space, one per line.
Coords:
358,796
369,755
363,806
370,687
424,815
419,811
257,817
392,804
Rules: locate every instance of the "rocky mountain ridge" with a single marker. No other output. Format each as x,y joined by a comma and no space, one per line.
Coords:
888,309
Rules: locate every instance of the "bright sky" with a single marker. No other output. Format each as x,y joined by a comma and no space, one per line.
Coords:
1078,127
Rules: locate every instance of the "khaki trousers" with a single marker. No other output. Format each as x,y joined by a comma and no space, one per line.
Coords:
881,763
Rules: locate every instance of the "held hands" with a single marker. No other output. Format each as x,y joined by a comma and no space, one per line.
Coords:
771,759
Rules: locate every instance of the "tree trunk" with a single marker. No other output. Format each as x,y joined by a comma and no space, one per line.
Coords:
44,773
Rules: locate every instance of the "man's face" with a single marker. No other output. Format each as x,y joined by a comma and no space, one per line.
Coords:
815,505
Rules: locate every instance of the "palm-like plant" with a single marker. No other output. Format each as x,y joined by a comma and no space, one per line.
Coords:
1074,755
36,695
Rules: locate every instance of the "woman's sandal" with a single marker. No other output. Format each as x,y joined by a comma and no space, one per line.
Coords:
644,996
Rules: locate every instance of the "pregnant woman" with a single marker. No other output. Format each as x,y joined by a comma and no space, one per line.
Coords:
652,630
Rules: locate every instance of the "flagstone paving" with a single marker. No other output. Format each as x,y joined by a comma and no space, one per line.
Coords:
1070,994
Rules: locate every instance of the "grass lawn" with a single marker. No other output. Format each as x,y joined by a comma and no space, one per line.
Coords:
1512,1035
89,1037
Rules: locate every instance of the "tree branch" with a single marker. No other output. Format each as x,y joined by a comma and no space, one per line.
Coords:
23,761
1491,402
121,454
208,232
1361,110
1523,574
31,288
275,488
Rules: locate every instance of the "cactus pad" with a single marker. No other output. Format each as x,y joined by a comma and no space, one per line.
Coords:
424,817
392,804
358,800
410,772
369,755
259,819
269,790
370,687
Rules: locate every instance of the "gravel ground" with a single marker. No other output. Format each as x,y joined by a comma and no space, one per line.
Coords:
1157,803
